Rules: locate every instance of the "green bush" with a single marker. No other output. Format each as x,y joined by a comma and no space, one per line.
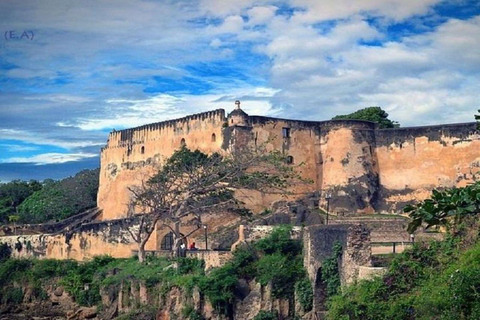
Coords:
281,271
188,265
331,272
13,296
83,282
189,313
12,269
266,315
243,262
279,241
304,293
219,287
274,260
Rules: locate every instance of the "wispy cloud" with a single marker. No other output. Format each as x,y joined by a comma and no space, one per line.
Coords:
17,148
50,158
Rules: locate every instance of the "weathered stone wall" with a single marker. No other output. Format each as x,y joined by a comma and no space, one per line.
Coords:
413,161
318,244
381,229
365,169
319,241
111,237
93,239
349,166
131,155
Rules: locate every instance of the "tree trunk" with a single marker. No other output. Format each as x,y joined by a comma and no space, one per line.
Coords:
177,241
141,252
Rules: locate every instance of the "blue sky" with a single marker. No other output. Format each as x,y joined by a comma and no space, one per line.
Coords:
71,71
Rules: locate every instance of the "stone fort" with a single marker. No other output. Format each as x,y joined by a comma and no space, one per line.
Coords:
365,169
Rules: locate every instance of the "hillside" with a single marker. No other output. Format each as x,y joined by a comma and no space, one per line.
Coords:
35,202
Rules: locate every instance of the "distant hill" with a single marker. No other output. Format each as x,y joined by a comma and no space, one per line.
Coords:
35,202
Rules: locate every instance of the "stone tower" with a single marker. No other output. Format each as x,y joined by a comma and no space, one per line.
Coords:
238,117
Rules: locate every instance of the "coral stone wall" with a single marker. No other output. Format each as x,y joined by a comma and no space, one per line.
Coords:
132,155
93,239
413,161
350,173
295,139
364,169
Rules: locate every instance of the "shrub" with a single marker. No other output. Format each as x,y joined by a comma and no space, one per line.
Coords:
219,288
330,270
279,241
188,312
435,281
5,251
281,271
13,296
304,293
266,315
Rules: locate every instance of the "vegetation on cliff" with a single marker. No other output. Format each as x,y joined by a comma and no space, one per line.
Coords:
35,202
275,261
374,114
439,280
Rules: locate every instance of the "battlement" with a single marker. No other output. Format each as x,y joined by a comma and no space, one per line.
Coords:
140,134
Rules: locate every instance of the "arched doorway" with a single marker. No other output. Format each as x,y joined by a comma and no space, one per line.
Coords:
168,240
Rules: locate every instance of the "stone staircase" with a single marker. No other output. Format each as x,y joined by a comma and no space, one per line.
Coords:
68,224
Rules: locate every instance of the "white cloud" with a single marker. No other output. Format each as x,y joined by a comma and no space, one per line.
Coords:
232,24
32,137
261,15
222,8
17,148
339,9
137,112
50,158
62,98
215,43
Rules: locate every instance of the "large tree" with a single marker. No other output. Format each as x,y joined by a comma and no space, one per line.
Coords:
374,114
192,183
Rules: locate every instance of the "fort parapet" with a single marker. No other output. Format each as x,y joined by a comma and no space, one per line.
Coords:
365,169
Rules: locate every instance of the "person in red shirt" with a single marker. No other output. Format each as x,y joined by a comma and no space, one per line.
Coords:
192,246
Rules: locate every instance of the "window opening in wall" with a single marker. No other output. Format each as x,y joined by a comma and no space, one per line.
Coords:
289,160
286,132
182,143
142,149
214,137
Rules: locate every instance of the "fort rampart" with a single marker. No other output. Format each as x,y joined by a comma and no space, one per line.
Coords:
364,168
